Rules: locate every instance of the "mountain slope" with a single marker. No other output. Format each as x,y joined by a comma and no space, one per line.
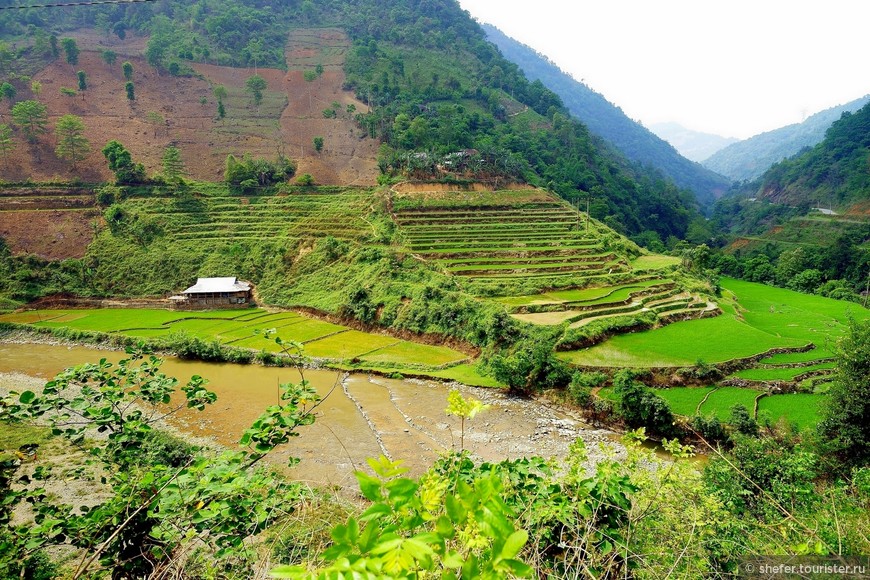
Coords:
750,158
607,120
693,145
426,87
779,234
834,173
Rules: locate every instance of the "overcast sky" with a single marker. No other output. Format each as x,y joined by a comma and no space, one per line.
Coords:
735,68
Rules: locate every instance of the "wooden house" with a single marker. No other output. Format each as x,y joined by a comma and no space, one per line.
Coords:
214,293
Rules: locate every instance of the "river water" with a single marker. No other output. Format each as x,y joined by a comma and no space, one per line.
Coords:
362,416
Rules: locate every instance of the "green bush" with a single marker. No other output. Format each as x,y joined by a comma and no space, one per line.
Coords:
529,366
581,385
710,428
252,172
639,406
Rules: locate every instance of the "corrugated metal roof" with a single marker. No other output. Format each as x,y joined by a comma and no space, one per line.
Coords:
210,285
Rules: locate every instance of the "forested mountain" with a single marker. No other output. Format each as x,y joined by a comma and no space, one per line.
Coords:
693,145
835,173
607,120
782,240
750,158
433,87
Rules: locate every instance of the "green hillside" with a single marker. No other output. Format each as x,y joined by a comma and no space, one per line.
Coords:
805,224
833,174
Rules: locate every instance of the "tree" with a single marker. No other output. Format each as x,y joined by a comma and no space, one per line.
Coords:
6,143
109,57
52,43
127,67
83,80
36,88
219,92
221,111
31,117
8,91
154,119
639,406
318,144
71,142
254,51
131,91
845,424
310,76
173,166
7,55
256,85
120,29
70,50
121,163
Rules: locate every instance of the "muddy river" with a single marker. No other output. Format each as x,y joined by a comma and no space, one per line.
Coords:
362,416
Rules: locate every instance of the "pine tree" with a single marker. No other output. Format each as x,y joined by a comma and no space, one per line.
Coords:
6,143
71,142
173,166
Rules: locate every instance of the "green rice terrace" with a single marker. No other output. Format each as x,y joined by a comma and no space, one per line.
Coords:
490,240
221,216
330,343
779,340
800,409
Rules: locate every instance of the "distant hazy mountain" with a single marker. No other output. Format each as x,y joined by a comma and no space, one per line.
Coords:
748,159
608,121
693,145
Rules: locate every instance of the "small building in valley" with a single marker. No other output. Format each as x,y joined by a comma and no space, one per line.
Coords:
214,292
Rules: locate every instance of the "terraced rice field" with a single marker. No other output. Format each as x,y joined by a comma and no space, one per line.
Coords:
579,307
503,235
798,409
784,373
684,401
244,329
759,319
255,218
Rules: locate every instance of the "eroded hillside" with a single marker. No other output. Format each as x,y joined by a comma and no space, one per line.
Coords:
182,111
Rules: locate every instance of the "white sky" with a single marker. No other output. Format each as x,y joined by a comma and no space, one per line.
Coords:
735,68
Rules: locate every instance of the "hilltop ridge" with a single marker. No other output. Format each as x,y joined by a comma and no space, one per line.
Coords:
608,121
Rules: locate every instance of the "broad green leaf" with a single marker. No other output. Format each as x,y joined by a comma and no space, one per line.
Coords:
513,544
455,509
517,568
369,486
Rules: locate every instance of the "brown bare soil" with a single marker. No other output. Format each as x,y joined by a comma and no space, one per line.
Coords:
50,234
348,157
738,244
416,188
862,208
